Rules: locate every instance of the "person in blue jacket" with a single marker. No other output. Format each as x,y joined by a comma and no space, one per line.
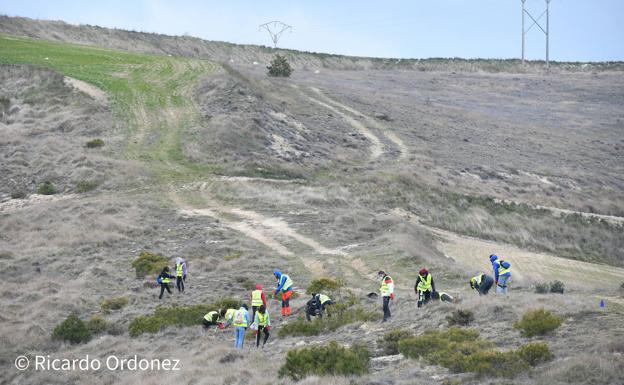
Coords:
285,285
502,272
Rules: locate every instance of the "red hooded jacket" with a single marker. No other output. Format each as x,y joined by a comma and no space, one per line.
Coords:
259,287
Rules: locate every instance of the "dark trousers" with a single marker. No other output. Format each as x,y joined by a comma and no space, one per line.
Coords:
164,286
180,283
323,306
266,335
208,324
386,308
254,309
423,297
486,285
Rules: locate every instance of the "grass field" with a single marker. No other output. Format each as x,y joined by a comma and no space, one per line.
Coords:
150,94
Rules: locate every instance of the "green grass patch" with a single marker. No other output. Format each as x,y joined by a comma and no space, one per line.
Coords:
73,330
187,315
339,318
328,360
232,256
46,188
462,351
149,263
390,340
97,325
538,322
113,304
85,186
325,285
95,143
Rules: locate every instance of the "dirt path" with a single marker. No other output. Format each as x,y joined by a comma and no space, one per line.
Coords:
32,200
89,89
392,137
527,267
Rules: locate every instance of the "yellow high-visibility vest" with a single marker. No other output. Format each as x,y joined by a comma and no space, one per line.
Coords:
256,298
179,270
263,318
425,283
208,317
384,288
323,298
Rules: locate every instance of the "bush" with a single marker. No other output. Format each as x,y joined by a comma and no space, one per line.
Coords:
18,194
97,325
188,315
461,350
46,188
85,186
328,360
542,288
324,285
149,263
73,330
279,67
113,304
557,287
538,322
390,340
535,353
462,317
95,143
301,327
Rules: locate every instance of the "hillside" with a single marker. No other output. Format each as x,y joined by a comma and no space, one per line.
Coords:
335,174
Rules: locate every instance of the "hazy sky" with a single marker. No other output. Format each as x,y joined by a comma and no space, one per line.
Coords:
581,30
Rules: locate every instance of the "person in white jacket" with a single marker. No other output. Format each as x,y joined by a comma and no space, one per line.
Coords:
386,289
262,324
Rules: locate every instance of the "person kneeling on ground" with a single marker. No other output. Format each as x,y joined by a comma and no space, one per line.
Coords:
481,283
424,287
317,304
228,317
212,318
164,278
262,324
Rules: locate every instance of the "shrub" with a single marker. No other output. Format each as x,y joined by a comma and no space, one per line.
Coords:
18,194
328,360
246,283
324,285
95,143
557,287
460,317
542,288
390,340
85,186
46,188
73,330
461,350
538,322
535,353
327,324
187,315
279,67
97,325
113,304
148,263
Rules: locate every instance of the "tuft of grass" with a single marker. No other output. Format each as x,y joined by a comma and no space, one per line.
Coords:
232,256
390,340
85,186
97,325
72,330
557,287
328,360
18,194
113,304
461,317
301,327
187,315
94,143
324,285
148,263
462,350
46,188
542,288
538,322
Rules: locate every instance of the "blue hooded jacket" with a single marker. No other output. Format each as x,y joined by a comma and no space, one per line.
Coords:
281,280
494,260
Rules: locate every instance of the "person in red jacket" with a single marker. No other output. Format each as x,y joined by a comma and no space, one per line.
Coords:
257,299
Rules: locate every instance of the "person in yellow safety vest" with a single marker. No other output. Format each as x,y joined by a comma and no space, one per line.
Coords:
240,322
316,305
257,299
212,319
285,285
228,317
180,274
424,287
164,278
386,289
262,324
481,283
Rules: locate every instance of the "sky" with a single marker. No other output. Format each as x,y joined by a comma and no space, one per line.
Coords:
580,30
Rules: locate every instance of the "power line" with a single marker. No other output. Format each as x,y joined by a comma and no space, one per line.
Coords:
536,21
275,30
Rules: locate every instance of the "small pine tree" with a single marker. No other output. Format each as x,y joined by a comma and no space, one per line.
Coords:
279,67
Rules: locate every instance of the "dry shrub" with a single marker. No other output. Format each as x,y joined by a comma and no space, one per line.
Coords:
328,360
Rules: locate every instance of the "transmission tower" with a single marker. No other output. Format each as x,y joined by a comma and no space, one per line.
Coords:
536,22
275,29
